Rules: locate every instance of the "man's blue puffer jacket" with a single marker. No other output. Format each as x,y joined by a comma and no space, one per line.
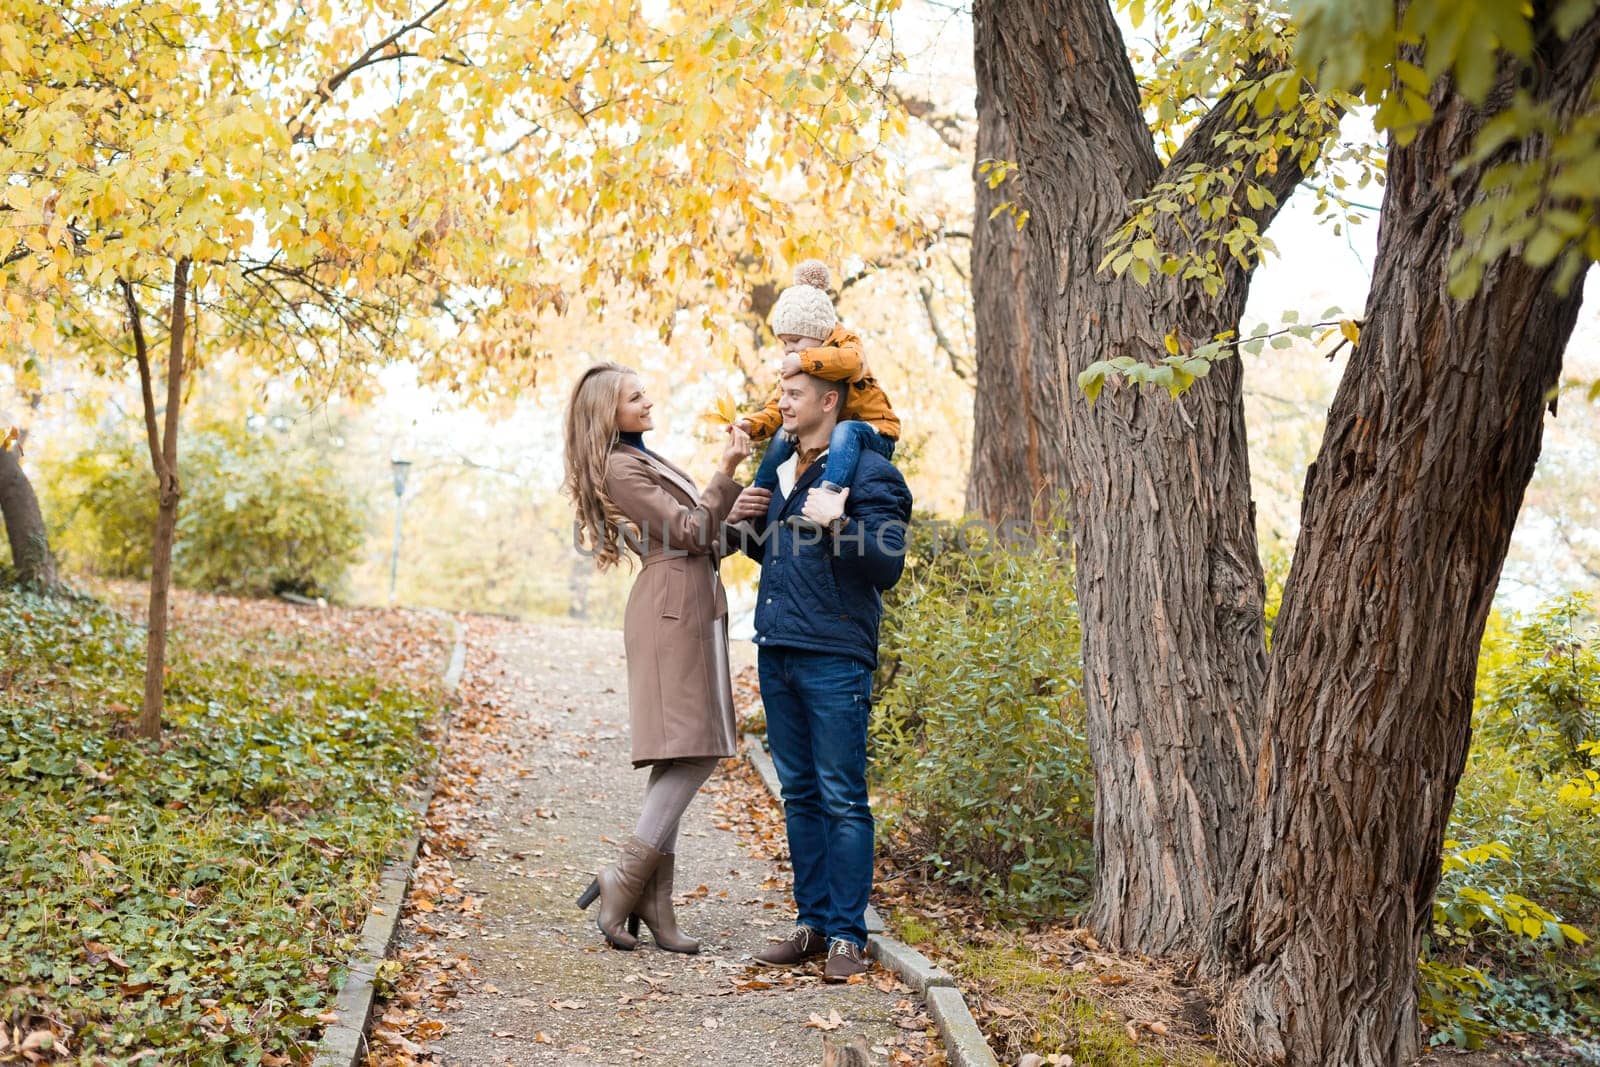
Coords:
821,591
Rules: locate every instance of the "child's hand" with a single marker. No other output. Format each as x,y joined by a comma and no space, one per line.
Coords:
742,424
791,365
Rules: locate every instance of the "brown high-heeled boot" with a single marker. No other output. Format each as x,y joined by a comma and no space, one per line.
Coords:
655,908
619,887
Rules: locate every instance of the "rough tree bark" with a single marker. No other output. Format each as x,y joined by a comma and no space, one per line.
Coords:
1169,578
164,460
25,530
1019,455
1407,516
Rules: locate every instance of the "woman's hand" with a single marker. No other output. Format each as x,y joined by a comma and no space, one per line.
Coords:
736,451
752,504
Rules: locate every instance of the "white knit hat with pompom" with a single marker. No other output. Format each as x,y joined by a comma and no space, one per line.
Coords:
804,309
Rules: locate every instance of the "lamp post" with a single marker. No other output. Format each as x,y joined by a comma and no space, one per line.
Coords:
400,468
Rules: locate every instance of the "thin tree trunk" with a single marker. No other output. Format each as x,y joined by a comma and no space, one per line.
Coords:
25,530
1169,580
164,460
1019,455
1408,512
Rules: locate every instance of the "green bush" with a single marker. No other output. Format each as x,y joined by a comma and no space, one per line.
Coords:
254,520
978,731
1508,950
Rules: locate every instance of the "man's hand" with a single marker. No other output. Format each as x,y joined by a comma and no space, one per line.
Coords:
825,507
791,365
752,504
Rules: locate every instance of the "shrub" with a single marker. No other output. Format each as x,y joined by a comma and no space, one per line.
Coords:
1539,697
978,727
254,520
1520,885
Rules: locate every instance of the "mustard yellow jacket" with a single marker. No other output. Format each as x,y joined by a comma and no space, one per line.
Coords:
839,360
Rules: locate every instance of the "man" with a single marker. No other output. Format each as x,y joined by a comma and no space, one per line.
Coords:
817,617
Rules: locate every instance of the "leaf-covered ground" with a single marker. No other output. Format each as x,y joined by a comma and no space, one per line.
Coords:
193,901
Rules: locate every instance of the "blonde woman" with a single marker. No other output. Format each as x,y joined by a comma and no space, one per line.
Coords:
674,631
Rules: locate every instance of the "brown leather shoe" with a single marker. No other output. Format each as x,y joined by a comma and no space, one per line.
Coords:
619,887
655,908
803,943
845,961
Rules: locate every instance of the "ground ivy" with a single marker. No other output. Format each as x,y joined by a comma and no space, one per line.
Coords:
191,902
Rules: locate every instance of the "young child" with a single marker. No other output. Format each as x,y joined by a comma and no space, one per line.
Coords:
814,343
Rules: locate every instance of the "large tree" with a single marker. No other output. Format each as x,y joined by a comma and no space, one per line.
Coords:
1170,584
1406,520
1308,791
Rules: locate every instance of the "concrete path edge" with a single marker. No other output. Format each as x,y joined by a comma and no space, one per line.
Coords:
963,1040
344,1043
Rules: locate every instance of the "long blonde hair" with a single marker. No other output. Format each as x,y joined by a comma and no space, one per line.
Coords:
591,434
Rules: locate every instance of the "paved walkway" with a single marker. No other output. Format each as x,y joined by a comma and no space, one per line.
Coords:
545,989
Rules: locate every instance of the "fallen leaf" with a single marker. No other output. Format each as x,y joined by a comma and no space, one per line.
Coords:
38,1041
832,1022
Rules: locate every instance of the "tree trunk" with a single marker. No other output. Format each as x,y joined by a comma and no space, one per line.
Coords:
1169,580
25,529
1407,515
164,460
1019,456
155,663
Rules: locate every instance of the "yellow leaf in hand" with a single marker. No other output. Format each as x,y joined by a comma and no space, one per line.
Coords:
9,438
725,413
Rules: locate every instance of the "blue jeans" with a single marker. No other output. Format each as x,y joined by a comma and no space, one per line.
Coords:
817,705
844,452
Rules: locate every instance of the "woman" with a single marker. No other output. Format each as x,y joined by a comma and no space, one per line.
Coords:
680,699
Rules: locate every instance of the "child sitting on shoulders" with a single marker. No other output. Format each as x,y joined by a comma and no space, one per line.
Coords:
814,343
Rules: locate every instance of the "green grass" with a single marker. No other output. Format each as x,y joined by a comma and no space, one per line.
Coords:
196,898
1053,1009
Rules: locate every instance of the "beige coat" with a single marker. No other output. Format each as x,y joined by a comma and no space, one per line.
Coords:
675,631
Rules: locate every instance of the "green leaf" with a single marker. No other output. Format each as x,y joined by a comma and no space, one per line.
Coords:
1092,379
1545,246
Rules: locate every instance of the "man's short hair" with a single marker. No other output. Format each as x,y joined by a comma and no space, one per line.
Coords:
822,387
